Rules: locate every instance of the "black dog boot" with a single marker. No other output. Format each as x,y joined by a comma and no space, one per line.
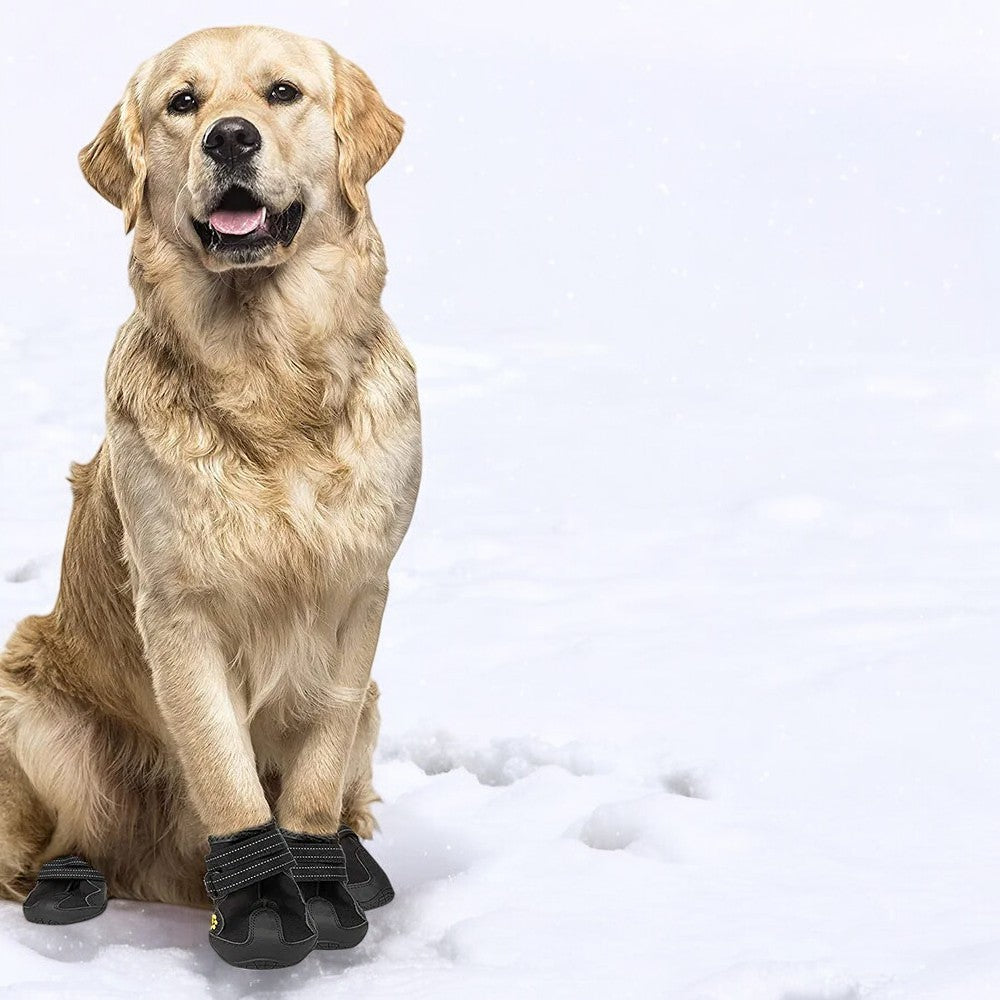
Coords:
366,881
321,873
68,891
260,920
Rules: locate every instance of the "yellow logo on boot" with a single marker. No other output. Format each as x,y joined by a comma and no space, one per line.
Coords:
215,921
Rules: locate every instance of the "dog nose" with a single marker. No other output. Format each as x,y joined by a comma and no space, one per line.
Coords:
231,140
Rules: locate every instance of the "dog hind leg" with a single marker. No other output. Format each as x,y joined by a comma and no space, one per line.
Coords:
25,829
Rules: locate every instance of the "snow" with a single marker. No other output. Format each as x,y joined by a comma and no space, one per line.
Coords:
689,667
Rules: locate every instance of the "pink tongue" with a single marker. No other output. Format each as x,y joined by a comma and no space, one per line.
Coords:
237,223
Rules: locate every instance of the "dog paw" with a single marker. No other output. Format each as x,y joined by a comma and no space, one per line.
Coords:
361,821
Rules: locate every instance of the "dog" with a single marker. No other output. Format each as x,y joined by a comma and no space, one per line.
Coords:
206,667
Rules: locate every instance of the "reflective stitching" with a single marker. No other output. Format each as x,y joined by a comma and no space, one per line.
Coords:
69,866
261,856
219,882
228,883
66,861
319,862
284,863
261,840
76,874
249,857
322,862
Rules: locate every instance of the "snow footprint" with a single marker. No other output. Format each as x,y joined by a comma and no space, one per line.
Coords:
662,827
500,762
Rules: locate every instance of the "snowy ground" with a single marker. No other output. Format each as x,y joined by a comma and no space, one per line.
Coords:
690,667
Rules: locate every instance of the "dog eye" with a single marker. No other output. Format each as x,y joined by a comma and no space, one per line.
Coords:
183,103
284,92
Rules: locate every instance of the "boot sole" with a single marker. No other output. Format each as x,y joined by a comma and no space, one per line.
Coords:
381,898
346,942
60,920
282,957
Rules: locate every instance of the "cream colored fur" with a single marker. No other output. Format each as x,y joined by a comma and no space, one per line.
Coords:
208,659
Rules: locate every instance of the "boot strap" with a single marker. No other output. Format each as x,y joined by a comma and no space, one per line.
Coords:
318,861
69,866
250,861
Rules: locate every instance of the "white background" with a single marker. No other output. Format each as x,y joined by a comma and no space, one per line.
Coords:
690,665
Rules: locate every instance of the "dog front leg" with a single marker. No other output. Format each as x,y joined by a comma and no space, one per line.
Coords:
312,787
260,918
338,877
210,737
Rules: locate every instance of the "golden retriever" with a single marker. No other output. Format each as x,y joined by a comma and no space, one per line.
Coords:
207,663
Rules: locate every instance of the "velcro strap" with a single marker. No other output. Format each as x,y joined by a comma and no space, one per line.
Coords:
322,861
250,861
69,867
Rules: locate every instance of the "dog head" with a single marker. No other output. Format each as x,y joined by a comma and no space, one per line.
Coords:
239,144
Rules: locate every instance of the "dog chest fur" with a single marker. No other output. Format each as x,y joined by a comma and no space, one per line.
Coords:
274,528
234,490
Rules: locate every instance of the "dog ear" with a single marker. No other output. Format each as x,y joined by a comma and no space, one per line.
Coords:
113,162
367,131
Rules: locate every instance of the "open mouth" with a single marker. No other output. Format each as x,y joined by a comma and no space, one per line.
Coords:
240,225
